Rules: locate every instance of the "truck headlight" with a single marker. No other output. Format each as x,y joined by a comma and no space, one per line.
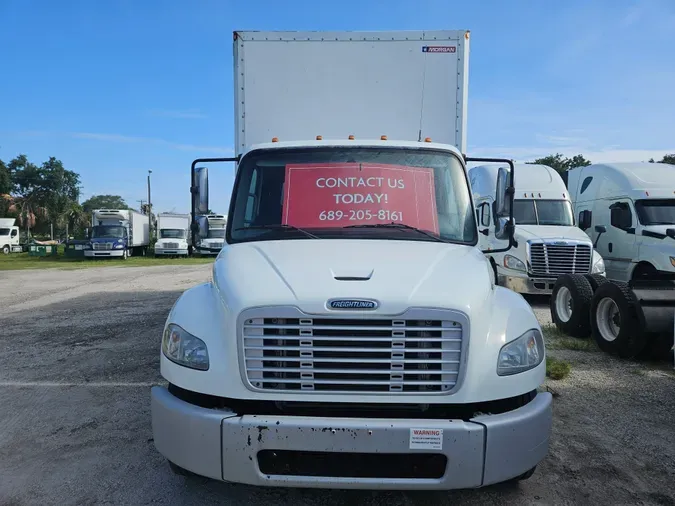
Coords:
511,262
118,246
598,264
184,349
521,354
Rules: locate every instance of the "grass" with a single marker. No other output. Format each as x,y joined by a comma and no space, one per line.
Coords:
556,340
557,369
21,261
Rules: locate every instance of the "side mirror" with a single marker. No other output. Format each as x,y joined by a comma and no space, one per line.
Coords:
504,228
484,213
585,219
201,190
200,228
502,197
600,229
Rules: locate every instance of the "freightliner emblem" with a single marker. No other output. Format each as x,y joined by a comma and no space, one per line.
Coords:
358,304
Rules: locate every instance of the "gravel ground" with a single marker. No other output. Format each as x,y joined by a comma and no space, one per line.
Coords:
80,351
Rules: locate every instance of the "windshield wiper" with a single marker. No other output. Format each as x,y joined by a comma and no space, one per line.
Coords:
400,226
278,226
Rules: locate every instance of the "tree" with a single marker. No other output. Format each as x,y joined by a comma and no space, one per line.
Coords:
29,192
562,164
670,159
104,202
5,188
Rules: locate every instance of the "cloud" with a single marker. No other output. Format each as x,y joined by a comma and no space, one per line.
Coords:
177,114
607,154
150,140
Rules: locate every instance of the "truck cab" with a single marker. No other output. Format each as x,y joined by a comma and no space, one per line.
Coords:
351,334
214,236
9,236
628,210
117,233
549,243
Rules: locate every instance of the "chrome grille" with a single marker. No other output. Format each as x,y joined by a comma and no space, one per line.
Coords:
364,355
558,259
102,246
171,245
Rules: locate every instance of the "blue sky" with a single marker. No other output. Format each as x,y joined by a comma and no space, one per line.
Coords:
114,88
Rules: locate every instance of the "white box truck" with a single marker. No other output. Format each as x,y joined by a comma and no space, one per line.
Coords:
628,210
352,335
549,244
213,228
9,236
172,234
118,233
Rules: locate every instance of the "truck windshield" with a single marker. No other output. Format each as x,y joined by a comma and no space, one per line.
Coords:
656,212
171,233
216,233
108,232
343,192
543,212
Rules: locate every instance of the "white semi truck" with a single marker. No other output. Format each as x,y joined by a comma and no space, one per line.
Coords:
628,210
172,234
549,244
352,334
213,228
9,236
118,233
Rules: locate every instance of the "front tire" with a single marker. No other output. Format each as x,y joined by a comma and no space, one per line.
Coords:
179,470
616,320
125,254
5,249
570,303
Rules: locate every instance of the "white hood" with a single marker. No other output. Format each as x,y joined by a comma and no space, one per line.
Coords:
399,274
527,232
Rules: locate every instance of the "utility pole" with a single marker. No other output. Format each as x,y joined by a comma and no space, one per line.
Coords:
149,206
141,206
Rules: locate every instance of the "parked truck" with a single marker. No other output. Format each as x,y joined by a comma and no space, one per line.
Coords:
213,228
172,234
352,334
118,233
549,243
9,236
628,210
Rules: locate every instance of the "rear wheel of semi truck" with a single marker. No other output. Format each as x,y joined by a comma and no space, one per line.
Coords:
615,320
596,280
570,303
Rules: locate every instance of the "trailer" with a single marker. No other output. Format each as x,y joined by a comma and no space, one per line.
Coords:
172,234
628,210
118,233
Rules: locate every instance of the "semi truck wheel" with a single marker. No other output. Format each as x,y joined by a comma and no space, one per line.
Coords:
5,249
125,254
616,323
570,304
596,280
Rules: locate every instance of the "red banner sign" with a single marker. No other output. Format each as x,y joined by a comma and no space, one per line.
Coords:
342,194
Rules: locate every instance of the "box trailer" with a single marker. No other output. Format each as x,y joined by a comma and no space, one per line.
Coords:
352,334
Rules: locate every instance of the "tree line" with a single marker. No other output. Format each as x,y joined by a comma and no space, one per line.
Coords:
45,198
562,164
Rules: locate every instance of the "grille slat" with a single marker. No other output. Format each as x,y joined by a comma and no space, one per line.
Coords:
364,355
557,259
171,245
102,246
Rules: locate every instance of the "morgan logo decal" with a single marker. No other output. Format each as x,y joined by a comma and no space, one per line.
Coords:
439,49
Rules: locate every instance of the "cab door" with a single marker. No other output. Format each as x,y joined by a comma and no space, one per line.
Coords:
617,245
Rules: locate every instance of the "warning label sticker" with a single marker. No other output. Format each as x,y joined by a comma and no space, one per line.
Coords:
426,439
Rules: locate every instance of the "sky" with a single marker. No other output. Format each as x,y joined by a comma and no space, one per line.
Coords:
118,87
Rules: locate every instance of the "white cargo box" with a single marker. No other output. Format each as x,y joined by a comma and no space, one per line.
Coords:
407,85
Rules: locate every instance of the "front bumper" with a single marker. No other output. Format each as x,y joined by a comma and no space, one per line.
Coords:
526,285
224,445
172,251
104,253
